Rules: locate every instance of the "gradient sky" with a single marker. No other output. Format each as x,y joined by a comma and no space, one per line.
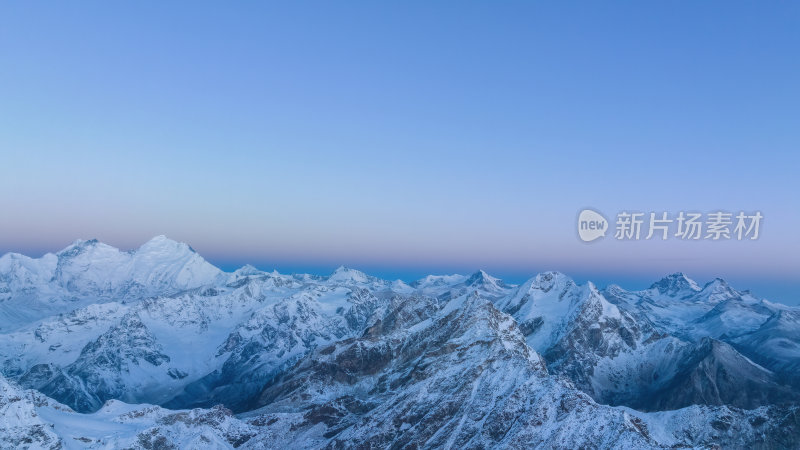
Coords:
404,138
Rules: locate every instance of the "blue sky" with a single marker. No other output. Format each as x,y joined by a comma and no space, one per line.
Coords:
404,138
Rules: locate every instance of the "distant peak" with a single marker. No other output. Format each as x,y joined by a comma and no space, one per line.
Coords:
552,274
481,278
343,273
547,280
161,240
615,289
344,270
247,269
477,276
78,247
717,282
439,280
717,287
84,243
674,283
162,243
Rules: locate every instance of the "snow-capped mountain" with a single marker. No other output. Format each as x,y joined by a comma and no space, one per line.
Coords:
89,272
203,358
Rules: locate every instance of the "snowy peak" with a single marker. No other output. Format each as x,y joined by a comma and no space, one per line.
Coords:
160,266
78,247
246,271
675,284
543,306
482,280
718,290
678,286
163,246
19,270
84,254
157,247
347,275
436,281
546,281
89,271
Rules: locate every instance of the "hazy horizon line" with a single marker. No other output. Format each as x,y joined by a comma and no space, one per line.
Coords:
778,291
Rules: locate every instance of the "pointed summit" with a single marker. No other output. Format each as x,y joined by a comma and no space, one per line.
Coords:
345,274
160,238
85,243
676,283
483,279
548,280
718,290
164,245
78,247
716,284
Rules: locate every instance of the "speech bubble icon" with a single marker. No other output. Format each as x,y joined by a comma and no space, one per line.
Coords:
591,225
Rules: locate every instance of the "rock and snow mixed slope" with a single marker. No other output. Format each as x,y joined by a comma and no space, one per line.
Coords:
350,359
31,420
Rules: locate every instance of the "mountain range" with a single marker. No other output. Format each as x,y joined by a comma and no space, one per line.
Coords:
157,348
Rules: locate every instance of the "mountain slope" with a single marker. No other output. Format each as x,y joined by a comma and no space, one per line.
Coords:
31,420
436,375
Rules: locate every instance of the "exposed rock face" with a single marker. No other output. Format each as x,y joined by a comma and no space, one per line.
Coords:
622,354
272,340
21,426
104,366
438,375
